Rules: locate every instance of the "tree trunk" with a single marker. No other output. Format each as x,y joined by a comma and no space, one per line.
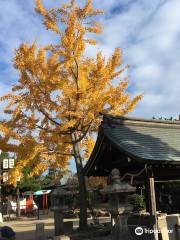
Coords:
82,185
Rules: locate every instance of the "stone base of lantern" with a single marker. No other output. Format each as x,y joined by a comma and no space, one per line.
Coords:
62,237
121,230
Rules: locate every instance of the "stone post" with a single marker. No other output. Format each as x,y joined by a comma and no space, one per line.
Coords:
40,234
58,223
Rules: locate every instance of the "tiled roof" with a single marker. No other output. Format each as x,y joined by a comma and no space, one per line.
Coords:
143,139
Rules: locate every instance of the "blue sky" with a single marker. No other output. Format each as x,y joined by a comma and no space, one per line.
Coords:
147,31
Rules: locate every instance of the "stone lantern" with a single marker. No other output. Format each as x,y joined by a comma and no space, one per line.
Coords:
58,206
119,205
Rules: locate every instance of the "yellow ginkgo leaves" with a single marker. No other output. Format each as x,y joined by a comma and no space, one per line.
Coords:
56,103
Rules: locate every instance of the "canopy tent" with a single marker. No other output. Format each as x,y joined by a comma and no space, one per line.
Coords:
41,192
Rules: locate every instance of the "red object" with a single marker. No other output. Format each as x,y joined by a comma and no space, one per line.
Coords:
45,201
29,205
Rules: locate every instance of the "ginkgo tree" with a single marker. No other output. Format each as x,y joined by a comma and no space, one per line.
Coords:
54,108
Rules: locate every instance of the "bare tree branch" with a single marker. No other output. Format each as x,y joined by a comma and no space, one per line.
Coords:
58,152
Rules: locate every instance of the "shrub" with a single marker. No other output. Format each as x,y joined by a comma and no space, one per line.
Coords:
137,202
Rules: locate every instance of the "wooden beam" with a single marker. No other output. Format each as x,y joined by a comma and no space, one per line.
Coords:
150,194
167,181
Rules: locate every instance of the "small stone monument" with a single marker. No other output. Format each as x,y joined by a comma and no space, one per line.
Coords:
40,234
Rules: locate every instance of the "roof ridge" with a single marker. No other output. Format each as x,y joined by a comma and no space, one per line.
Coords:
121,119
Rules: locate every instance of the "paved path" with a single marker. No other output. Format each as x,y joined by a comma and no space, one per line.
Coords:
25,228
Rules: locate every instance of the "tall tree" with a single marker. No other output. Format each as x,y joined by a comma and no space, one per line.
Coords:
54,108
29,183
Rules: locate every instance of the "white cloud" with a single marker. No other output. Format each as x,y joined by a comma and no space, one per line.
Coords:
150,41
158,67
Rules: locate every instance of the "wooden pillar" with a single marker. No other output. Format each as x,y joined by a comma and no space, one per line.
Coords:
46,201
150,193
43,201
146,195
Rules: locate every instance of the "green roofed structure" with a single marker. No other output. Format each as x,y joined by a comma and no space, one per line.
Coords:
146,152
130,144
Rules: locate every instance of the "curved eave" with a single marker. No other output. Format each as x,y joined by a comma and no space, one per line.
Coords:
98,151
95,153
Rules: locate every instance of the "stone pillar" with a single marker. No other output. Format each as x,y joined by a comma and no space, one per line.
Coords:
40,234
58,223
162,226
